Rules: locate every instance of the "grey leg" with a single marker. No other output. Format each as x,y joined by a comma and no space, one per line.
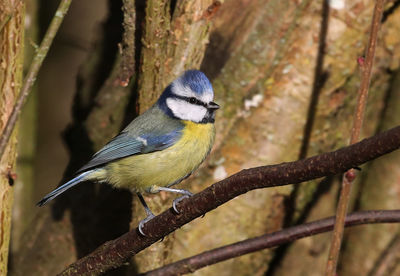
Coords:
149,214
186,194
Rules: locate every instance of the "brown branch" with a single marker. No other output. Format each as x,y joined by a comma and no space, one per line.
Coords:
33,71
348,177
277,238
115,253
11,56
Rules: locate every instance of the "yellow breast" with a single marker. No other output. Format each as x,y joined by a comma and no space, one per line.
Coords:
166,167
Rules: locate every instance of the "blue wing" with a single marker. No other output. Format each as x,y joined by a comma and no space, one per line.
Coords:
125,145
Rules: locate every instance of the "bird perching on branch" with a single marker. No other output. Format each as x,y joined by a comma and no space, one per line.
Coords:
159,148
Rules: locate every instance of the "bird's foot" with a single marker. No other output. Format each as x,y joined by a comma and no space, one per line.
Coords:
143,222
179,199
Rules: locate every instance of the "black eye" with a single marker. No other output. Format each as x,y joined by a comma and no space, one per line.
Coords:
192,100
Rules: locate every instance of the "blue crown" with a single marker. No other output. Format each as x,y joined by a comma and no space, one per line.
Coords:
197,81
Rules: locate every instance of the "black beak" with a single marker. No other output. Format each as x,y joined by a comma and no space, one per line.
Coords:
212,106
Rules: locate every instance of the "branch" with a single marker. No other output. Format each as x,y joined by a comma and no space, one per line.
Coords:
33,71
114,253
191,264
348,177
11,56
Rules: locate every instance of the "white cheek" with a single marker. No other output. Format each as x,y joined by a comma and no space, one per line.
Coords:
186,111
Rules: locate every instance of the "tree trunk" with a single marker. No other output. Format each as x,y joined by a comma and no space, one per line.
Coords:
11,56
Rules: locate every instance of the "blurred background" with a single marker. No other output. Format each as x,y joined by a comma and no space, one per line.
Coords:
286,76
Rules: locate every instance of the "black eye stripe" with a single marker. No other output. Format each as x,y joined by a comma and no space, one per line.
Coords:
191,100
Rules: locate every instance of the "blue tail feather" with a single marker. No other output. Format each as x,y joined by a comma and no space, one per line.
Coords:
64,187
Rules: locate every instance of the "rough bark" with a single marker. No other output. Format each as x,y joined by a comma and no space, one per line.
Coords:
11,56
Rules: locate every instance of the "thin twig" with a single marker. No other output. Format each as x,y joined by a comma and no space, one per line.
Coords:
286,235
115,253
33,71
348,177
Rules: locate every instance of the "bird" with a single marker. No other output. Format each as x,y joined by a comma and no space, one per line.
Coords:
159,148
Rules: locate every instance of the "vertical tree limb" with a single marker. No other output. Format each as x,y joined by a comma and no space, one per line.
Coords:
348,177
11,69
371,195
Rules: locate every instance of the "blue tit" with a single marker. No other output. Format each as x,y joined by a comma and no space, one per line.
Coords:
159,148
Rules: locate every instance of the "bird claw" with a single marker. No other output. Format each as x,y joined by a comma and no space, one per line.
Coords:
179,199
143,222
